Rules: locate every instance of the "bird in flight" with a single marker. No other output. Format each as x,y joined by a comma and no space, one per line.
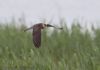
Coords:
37,32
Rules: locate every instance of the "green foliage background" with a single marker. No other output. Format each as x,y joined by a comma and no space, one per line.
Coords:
64,50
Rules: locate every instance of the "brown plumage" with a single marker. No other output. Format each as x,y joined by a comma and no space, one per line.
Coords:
37,33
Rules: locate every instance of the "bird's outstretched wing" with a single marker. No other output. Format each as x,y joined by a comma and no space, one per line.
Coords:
37,37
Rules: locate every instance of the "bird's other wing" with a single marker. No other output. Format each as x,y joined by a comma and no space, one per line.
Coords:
37,37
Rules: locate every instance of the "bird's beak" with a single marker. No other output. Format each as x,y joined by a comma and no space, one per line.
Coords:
48,25
28,29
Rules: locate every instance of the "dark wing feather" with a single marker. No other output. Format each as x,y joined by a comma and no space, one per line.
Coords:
37,37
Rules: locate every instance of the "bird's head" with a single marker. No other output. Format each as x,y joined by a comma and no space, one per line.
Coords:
46,25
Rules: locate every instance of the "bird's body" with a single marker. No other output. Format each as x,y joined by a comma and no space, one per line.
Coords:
37,33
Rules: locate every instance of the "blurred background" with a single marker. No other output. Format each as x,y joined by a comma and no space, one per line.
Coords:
76,47
33,11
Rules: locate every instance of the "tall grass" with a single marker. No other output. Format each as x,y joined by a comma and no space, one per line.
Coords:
64,50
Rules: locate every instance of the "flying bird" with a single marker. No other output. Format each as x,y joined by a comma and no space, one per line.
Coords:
37,32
